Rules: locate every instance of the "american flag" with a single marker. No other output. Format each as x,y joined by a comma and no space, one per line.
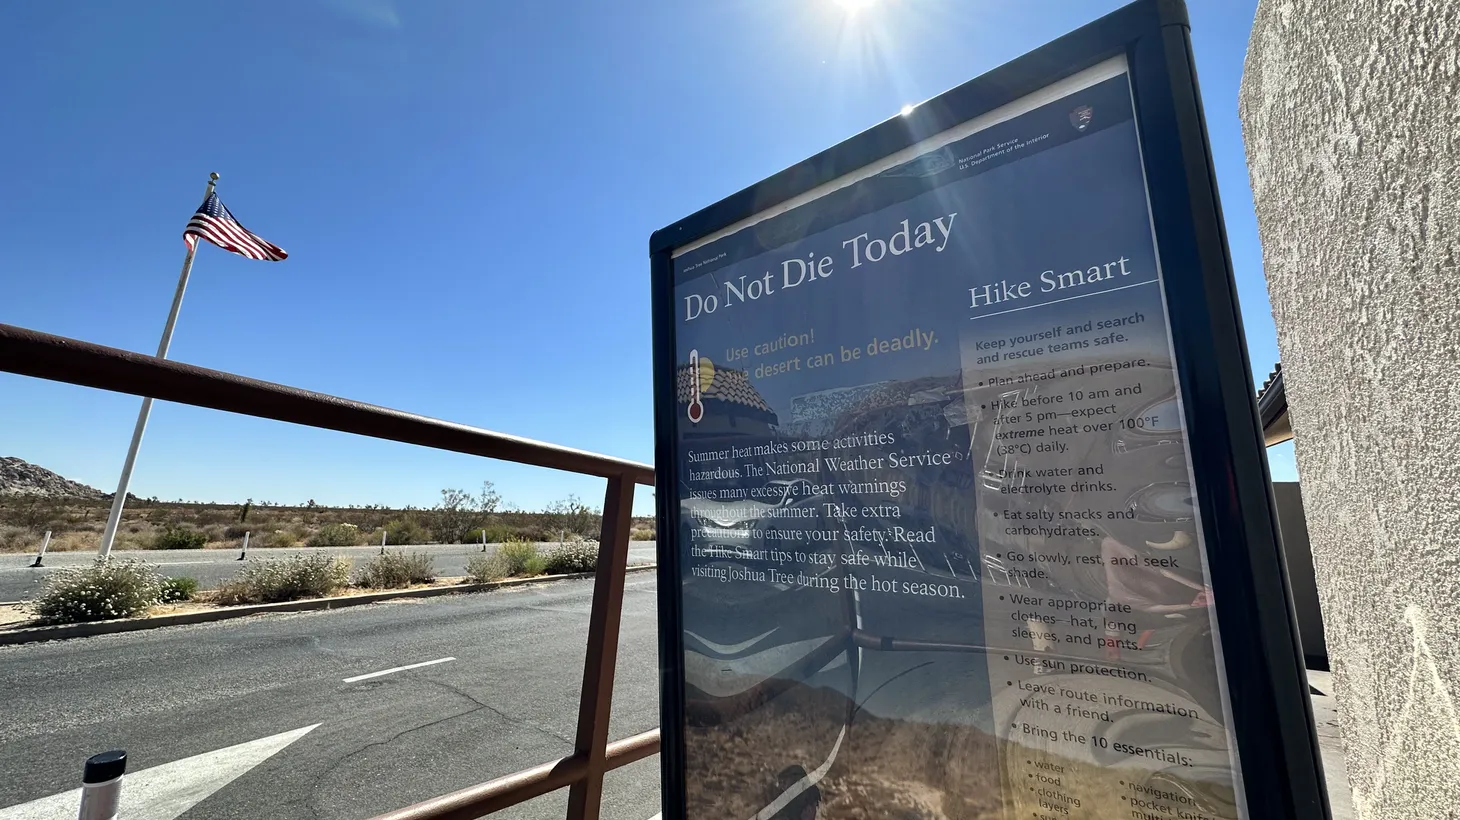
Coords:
215,223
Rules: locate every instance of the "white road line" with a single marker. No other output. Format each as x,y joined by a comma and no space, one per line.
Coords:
398,669
168,791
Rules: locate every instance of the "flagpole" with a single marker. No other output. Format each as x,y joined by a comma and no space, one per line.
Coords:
120,500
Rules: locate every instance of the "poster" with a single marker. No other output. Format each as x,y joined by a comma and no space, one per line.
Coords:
939,546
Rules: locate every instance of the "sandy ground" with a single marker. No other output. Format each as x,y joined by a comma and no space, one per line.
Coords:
885,770
12,616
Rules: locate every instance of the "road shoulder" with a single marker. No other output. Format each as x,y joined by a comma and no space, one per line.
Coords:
23,635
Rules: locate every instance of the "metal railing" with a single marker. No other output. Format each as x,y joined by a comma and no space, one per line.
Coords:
56,358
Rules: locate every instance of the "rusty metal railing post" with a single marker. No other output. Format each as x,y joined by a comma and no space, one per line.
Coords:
44,356
596,700
514,789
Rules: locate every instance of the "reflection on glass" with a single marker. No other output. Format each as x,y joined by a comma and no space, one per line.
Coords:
940,549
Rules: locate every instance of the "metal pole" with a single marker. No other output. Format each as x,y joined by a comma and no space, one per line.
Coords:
45,542
120,501
101,785
595,700
244,553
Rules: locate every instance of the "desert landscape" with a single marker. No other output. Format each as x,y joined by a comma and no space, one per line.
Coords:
34,500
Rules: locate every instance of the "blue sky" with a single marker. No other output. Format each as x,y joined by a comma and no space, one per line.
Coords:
466,190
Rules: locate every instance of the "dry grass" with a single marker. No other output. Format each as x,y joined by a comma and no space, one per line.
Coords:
77,525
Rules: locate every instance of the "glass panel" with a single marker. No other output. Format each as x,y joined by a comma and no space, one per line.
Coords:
941,554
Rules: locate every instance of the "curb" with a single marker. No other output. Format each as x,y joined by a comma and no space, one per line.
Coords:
37,634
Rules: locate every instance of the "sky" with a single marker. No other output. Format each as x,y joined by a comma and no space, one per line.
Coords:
466,190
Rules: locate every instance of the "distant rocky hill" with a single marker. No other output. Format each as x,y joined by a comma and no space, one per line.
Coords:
18,477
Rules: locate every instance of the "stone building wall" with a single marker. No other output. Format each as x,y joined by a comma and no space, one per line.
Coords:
1351,110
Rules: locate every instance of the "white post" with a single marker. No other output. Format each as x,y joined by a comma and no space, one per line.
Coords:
244,553
45,542
484,539
115,518
383,534
101,785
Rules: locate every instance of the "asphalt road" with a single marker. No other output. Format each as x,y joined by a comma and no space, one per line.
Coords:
508,699
18,581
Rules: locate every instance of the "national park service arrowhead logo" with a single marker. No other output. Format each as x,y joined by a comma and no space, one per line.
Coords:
1080,117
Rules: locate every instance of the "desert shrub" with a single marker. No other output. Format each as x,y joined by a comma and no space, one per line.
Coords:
280,539
452,520
18,539
575,556
521,558
532,532
397,569
264,522
286,579
483,569
181,588
497,533
34,512
99,591
641,534
405,532
77,516
572,515
179,538
76,541
335,535
235,531
204,517
129,541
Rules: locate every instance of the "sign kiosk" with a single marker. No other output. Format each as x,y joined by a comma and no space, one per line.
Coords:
963,507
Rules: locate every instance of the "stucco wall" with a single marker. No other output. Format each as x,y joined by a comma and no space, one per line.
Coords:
1351,111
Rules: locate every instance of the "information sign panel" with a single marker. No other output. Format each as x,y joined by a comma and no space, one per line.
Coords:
934,526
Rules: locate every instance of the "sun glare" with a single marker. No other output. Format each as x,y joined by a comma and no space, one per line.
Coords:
855,5
906,109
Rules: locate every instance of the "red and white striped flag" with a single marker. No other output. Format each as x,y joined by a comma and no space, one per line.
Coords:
215,223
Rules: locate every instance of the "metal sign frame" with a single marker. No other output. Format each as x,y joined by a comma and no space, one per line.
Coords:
1272,718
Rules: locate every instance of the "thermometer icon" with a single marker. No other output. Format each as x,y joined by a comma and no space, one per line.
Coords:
696,407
